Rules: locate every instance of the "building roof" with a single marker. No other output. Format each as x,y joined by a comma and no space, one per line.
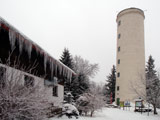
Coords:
24,42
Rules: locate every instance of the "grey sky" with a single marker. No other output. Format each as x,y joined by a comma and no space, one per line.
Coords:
86,27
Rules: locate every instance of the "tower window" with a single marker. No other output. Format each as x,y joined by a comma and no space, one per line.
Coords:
119,36
117,88
119,23
119,49
118,61
118,74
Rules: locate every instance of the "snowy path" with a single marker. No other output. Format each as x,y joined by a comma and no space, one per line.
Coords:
115,114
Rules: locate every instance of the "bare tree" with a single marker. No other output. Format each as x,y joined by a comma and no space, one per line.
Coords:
92,100
148,88
85,71
153,91
83,66
151,82
138,88
19,101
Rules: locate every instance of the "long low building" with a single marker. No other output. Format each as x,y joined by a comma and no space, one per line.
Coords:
19,53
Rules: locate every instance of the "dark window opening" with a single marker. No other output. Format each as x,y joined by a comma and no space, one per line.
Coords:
119,36
55,91
118,61
119,49
119,23
118,75
117,88
2,76
28,81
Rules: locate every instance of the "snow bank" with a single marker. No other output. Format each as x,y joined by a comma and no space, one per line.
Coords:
116,114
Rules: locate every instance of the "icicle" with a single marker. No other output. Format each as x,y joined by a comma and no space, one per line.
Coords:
29,50
69,74
64,71
59,68
12,38
55,67
52,69
45,62
20,43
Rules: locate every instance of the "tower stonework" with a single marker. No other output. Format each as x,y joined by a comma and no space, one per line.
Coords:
130,61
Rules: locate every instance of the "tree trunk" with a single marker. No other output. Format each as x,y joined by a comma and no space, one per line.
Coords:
92,113
155,110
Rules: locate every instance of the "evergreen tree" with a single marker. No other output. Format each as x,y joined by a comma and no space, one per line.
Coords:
79,85
66,59
84,70
150,68
152,84
110,85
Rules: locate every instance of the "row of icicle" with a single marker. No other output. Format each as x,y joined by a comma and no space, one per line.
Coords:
27,45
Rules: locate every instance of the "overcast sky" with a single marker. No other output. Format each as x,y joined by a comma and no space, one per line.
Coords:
86,27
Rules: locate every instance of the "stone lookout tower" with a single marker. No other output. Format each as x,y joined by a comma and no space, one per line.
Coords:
130,61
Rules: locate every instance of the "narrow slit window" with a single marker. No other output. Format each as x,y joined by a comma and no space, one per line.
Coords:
119,23
119,36
117,88
119,49
118,61
118,75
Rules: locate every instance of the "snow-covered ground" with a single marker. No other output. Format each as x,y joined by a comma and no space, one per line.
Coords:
116,114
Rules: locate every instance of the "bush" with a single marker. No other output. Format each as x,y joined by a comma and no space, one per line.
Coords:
69,110
19,102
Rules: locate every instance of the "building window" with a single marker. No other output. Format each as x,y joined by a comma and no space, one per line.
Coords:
118,75
55,91
118,61
28,81
2,76
119,49
119,23
117,88
119,36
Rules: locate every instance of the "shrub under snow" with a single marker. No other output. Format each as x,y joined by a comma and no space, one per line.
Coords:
69,110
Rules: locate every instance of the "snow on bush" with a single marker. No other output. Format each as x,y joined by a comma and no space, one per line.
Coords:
20,102
69,110
91,101
69,98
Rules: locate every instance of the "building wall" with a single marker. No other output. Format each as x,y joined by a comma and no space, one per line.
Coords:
16,74
130,26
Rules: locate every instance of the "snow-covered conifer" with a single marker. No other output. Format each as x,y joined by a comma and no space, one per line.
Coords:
110,85
152,84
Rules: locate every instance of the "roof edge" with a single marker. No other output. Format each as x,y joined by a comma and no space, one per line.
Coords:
129,10
2,21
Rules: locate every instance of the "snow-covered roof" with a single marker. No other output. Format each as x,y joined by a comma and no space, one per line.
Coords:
15,35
